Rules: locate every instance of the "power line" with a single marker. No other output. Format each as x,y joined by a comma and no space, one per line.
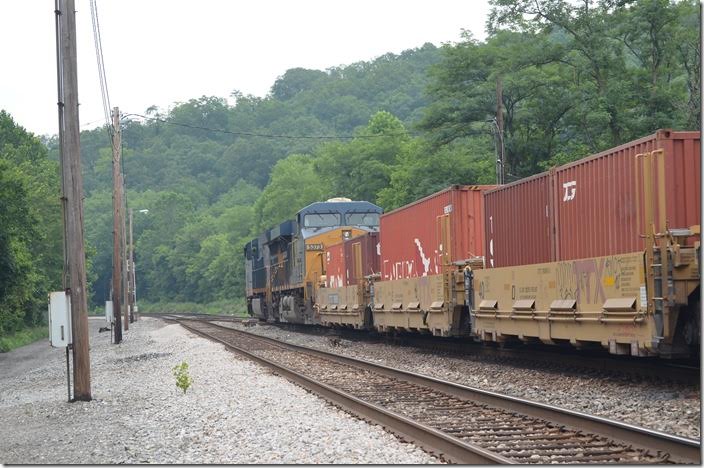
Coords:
267,135
104,93
293,137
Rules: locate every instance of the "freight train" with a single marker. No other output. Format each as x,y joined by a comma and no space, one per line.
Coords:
603,252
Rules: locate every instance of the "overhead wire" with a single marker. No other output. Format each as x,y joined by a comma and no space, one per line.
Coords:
102,76
279,136
262,135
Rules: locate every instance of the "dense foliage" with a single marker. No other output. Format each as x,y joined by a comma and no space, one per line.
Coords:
30,228
577,78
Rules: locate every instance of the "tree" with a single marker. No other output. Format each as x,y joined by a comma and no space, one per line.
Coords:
622,56
360,168
294,184
421,171
30,227
296,80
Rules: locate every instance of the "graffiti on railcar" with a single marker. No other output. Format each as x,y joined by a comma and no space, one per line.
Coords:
566,281
587,281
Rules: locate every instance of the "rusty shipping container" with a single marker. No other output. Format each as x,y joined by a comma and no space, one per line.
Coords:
411,236
519,222
363,252
343,259
588,208
335,268
596,212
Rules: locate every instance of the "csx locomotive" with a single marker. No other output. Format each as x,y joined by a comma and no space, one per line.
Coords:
285,263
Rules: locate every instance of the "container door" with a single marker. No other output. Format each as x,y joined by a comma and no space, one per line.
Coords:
445,248
358,272
357,253
445,240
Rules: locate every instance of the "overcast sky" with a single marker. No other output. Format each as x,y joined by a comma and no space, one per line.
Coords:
158,52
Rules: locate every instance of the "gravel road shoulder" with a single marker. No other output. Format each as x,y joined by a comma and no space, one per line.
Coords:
236,412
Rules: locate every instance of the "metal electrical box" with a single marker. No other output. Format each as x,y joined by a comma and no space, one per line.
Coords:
60,319
109,317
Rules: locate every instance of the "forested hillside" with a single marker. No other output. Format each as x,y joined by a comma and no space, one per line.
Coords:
576,79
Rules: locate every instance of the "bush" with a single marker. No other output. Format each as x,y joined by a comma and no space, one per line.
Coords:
23,337
234,307
183,380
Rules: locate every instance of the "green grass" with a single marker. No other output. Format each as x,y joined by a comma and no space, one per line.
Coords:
232,307
23,337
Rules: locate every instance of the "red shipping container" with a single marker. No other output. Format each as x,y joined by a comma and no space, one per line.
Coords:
340,265
410,236
519,222
588,208
369,256
335,267
595,198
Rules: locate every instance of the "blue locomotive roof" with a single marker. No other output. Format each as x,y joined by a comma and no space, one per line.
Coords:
291,227
320,217
341,207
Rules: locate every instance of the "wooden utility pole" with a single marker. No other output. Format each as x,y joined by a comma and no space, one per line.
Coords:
125,270
116,225
72,194
132,274
500,129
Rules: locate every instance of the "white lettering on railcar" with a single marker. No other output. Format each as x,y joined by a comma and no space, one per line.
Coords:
570,190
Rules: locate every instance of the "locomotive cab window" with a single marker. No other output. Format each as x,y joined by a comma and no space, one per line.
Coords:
363,219
319,220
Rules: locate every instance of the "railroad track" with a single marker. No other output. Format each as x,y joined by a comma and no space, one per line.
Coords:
457,423
528,357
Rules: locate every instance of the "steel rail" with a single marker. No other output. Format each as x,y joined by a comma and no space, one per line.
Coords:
680,449
429,438
636,367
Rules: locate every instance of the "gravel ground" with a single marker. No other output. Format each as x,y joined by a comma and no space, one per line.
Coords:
236,412
671,408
